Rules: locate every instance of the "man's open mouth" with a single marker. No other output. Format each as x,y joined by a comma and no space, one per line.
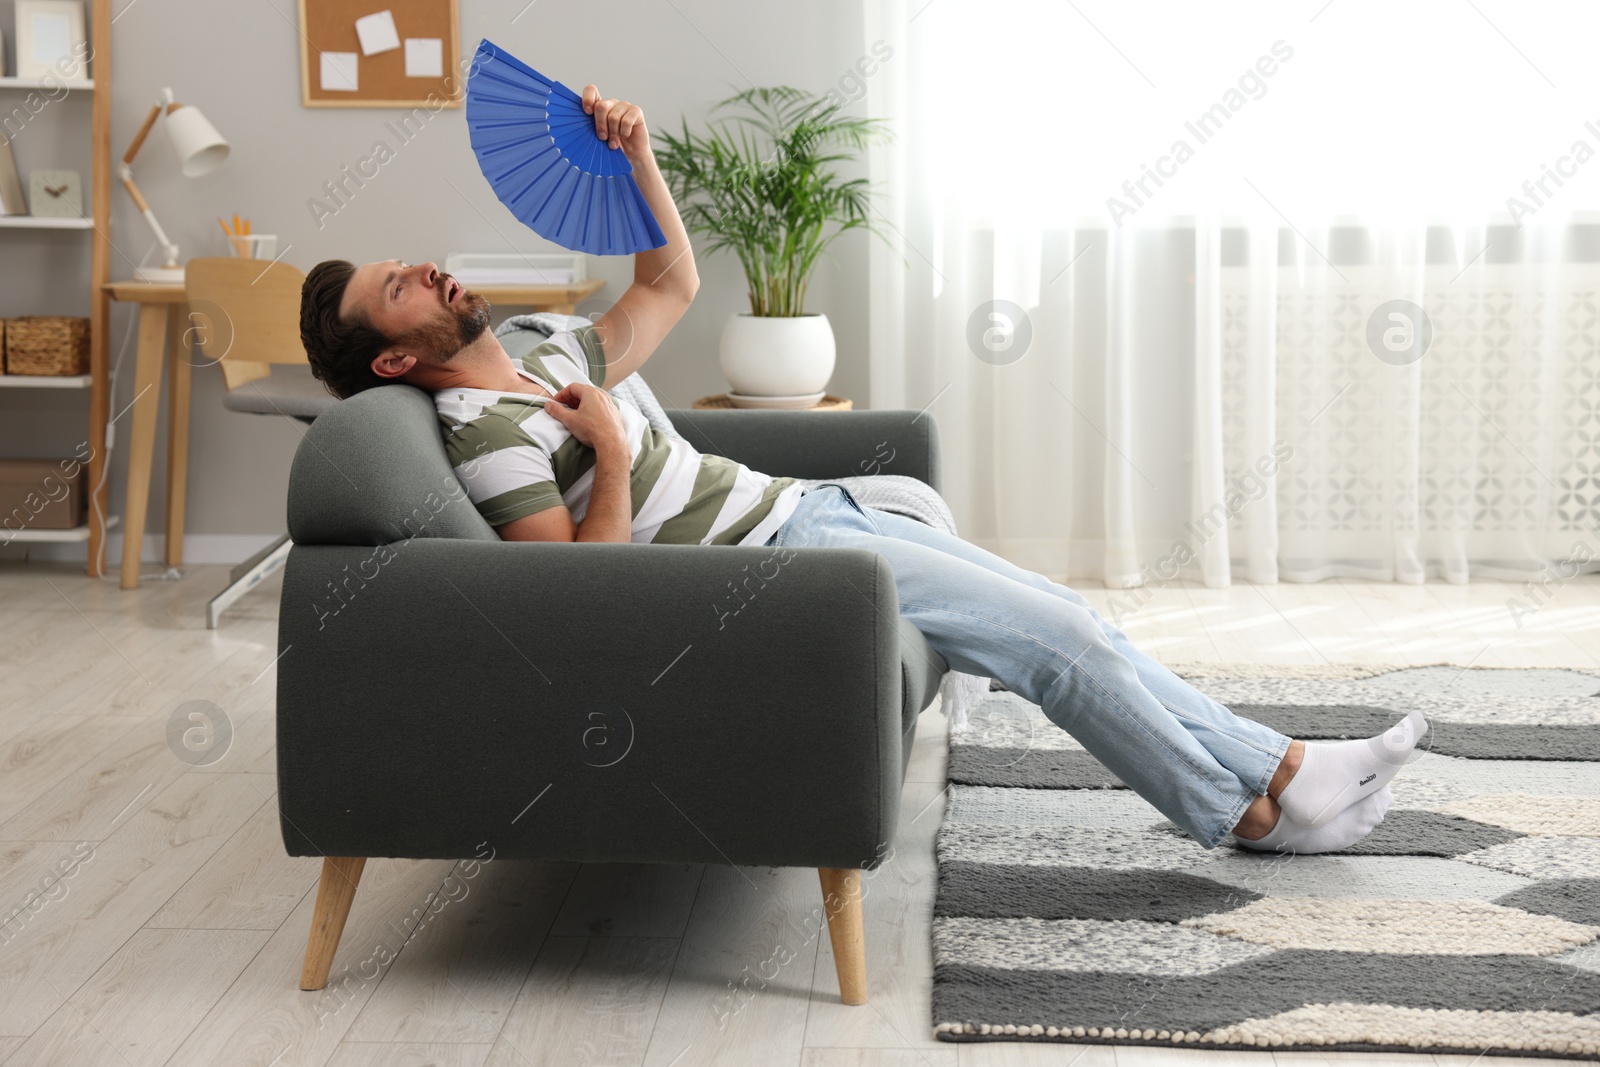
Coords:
452,290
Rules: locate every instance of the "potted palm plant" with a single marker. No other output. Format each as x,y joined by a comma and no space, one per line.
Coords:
760,182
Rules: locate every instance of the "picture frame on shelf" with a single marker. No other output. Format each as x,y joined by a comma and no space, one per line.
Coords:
51,42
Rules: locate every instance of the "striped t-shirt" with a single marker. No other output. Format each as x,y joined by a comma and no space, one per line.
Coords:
515,459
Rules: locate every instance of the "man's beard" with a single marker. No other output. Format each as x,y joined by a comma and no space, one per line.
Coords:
441,339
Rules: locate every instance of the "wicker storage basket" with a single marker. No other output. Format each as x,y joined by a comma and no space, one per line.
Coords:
47,344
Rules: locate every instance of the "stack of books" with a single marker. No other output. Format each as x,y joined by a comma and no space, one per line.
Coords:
484,268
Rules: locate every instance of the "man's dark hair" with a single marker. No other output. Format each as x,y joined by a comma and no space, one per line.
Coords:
341,349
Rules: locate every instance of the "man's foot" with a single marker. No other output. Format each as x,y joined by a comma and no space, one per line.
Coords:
1343,830
1333,775
1287,767
1258,818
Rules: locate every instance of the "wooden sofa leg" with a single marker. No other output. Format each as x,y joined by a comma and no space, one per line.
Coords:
340,874
841,899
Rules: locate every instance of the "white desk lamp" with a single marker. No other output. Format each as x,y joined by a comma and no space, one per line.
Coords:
199,148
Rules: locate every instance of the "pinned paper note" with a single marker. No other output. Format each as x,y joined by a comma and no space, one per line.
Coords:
339,72
424,57
377,33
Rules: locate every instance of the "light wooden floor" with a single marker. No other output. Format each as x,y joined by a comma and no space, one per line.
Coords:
175,935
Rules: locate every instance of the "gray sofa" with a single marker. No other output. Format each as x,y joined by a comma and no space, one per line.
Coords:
442,693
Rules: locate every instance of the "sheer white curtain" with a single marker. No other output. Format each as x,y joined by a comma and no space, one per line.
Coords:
1269,291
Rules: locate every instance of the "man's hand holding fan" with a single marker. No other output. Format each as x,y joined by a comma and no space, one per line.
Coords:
618,123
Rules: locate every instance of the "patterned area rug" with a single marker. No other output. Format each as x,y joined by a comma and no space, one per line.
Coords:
1069,909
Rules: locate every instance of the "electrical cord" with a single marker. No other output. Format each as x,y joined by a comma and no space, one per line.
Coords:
171,573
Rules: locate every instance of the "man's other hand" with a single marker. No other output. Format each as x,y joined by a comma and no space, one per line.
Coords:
590,415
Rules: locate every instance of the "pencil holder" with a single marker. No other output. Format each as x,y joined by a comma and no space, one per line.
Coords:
253,246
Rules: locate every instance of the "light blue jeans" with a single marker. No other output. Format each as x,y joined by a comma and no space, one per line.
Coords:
1198,763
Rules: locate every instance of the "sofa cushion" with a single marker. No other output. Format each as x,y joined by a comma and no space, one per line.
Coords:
372,470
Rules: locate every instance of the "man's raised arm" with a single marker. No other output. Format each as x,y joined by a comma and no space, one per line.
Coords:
664,279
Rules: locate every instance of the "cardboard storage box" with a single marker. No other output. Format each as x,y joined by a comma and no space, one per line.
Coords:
38,494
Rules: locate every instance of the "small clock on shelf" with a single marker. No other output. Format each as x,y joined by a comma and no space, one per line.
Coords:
56,193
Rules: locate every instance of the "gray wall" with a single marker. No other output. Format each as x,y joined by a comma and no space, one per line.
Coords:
241,64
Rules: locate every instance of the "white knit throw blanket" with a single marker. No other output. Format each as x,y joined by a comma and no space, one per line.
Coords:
898,493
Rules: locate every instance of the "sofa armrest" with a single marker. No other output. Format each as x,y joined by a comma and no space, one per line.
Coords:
591,702
817,444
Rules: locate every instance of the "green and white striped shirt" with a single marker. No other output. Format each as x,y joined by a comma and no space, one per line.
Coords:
515,459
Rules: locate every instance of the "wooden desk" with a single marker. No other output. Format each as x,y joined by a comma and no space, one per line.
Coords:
162,321
562,299
161,331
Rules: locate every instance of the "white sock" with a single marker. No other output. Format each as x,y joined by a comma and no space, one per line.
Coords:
1342,831
1335,774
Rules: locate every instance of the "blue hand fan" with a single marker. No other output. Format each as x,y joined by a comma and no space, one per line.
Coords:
545,162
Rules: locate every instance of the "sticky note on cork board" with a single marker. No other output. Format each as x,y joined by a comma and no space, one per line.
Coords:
424,57
377,33
339,72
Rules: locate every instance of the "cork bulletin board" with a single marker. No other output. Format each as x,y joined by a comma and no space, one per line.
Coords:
398,74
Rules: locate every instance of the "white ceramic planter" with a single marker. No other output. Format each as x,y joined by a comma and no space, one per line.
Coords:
777,356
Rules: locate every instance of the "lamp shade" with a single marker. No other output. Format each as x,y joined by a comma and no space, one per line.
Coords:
196,143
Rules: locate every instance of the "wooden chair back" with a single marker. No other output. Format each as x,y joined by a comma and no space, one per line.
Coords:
245,315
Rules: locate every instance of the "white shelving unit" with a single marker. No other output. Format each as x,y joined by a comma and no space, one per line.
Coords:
40,83
45,222
98,205
77,533
46,381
